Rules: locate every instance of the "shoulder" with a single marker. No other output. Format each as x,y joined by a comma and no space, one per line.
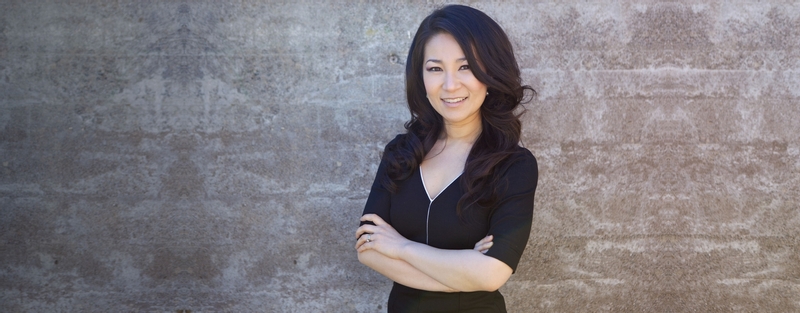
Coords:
396,157
522,160
525,155
397,138
521,168
392,144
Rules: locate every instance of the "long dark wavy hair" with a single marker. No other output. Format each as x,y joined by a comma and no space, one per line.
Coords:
491,56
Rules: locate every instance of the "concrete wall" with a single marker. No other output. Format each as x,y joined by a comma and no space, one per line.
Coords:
215,156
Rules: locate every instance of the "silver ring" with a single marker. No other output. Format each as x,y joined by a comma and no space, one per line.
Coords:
369,237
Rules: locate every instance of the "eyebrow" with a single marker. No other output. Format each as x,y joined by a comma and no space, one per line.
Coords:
440,61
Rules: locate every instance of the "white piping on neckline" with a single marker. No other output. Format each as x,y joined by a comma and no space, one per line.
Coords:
430,200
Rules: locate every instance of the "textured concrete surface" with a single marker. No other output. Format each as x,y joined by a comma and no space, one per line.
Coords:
214,156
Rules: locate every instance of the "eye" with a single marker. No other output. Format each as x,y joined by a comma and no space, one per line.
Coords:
464,67
434,69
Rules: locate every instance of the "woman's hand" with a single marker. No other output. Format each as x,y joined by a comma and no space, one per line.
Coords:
380,237
484,244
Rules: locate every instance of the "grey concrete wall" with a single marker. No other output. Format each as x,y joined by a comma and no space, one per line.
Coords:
215,156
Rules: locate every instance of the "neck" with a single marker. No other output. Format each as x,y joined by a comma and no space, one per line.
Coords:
466,132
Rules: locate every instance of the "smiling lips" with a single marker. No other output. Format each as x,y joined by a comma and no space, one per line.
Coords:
454,100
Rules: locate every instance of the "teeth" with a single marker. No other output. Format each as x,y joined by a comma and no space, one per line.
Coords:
454,100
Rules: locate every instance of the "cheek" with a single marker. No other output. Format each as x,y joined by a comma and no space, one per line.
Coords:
478,86
472,82
430,85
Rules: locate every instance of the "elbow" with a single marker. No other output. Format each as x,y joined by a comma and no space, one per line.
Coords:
487,284
492,284
498,276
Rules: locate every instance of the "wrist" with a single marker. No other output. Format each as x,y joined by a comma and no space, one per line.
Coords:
405,249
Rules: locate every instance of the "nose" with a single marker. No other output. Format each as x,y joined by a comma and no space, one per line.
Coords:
451,82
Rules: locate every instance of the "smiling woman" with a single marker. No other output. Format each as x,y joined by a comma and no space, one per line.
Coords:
449,213
451,88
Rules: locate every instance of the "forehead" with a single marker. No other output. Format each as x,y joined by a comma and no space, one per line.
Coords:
443,46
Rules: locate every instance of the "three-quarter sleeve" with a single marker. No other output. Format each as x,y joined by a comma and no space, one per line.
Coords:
379,199
510,221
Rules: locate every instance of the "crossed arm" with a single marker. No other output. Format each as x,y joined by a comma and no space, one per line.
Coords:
423,267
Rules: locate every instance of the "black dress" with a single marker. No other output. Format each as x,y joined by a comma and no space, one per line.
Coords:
435,222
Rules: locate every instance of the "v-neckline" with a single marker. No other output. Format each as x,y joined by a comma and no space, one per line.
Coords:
422,178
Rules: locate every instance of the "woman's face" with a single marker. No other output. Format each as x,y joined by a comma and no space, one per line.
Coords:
451,88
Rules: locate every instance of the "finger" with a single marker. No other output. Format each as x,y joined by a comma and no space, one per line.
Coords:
484,251
362,240
365,229
374,218
364,246
484,246
485,240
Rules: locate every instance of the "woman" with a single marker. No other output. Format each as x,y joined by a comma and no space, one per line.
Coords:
449,213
